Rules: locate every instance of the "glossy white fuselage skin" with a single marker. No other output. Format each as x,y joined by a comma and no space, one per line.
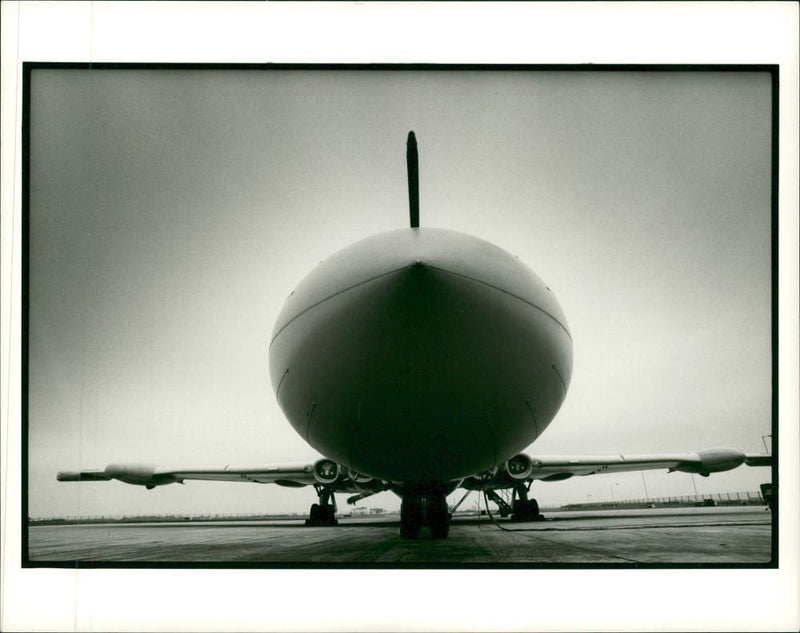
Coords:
420,356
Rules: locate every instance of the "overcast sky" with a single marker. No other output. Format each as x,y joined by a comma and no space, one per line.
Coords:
172,212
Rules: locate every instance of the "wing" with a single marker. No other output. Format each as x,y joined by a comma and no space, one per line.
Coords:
323,471
702,462
523,467
758,460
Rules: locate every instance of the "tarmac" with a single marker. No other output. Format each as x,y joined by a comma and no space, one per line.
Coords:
657,537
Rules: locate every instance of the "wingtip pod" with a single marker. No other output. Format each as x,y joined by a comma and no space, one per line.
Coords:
136,474
139,475
713,460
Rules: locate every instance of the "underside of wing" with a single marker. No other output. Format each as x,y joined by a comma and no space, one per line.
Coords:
703,462
522,467
296,475
556,468
323,471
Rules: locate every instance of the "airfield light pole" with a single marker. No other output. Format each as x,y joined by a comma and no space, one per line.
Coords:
644,483
612,492
766,448
694,484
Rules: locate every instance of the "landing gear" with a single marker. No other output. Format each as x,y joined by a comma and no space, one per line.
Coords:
524,509
430,510
527,510
438,517
321,515
503,508
410,517
324,512
521,508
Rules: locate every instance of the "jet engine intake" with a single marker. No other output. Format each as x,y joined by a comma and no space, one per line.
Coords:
519,467
326,471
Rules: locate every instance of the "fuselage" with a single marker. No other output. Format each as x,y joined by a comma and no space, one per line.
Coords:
421,355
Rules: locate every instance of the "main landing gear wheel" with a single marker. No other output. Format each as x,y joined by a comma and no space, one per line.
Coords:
323,513
526,510
439,517
410,517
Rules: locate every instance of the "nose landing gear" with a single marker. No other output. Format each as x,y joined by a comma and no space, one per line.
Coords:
430,510
410,517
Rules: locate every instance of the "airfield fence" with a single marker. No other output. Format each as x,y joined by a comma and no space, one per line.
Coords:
751,498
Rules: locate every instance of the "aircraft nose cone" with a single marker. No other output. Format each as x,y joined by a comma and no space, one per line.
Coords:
421,367
385,253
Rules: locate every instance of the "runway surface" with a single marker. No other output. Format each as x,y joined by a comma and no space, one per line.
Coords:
727,535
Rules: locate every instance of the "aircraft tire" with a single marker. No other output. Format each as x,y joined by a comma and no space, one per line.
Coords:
527,511
328,515
314,515
438,518
533,509
410,518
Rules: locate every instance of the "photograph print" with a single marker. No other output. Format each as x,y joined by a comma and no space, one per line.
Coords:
398,316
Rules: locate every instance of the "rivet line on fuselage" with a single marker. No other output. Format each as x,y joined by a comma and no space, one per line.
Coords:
510,294
560,377
308,422
533,417
278,390
444,270
360,283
